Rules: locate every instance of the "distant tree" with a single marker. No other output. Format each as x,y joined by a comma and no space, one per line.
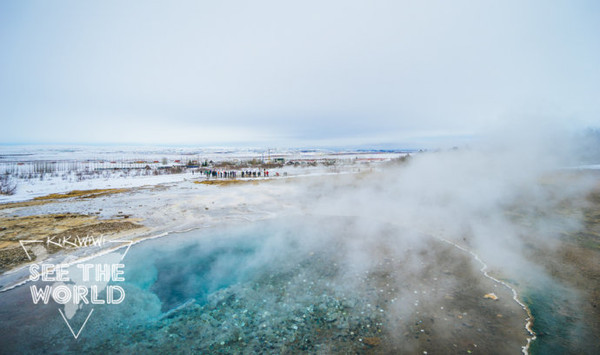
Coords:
254,162
401,159
7,185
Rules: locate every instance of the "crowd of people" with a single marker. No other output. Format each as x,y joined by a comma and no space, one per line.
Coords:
232,174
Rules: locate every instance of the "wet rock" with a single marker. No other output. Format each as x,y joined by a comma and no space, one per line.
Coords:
372,341
491,296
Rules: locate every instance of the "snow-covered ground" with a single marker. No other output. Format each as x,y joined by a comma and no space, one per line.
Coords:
110,153
29,189
85,168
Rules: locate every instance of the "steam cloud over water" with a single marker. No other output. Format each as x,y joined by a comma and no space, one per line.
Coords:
509,199
378,260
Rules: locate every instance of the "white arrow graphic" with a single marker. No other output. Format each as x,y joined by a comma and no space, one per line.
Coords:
123,241
28,241
69,325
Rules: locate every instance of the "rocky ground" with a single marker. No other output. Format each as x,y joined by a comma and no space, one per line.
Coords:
315,304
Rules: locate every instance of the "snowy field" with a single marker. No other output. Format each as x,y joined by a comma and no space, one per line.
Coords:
39,171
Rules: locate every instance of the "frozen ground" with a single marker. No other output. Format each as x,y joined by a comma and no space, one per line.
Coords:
30,188
38,171
176,202
108,153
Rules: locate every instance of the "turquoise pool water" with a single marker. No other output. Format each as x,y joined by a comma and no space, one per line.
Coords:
279,286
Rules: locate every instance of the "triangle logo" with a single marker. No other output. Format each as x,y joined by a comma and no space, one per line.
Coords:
69,325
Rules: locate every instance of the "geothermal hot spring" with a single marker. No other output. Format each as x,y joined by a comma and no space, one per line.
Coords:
326,285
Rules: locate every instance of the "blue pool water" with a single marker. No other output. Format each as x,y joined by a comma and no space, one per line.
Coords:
276,285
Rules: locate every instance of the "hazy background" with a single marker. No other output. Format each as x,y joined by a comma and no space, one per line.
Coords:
344,73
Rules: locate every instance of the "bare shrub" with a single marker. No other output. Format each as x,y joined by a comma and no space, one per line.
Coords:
8,186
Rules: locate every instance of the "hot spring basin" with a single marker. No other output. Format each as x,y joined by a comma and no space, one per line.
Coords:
288,285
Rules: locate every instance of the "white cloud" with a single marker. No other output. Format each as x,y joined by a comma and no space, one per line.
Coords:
306,71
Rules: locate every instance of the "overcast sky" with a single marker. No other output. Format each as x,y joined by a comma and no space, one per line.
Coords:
292,73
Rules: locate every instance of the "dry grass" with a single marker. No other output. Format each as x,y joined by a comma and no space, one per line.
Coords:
40,227
24,204
75,194
82,194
